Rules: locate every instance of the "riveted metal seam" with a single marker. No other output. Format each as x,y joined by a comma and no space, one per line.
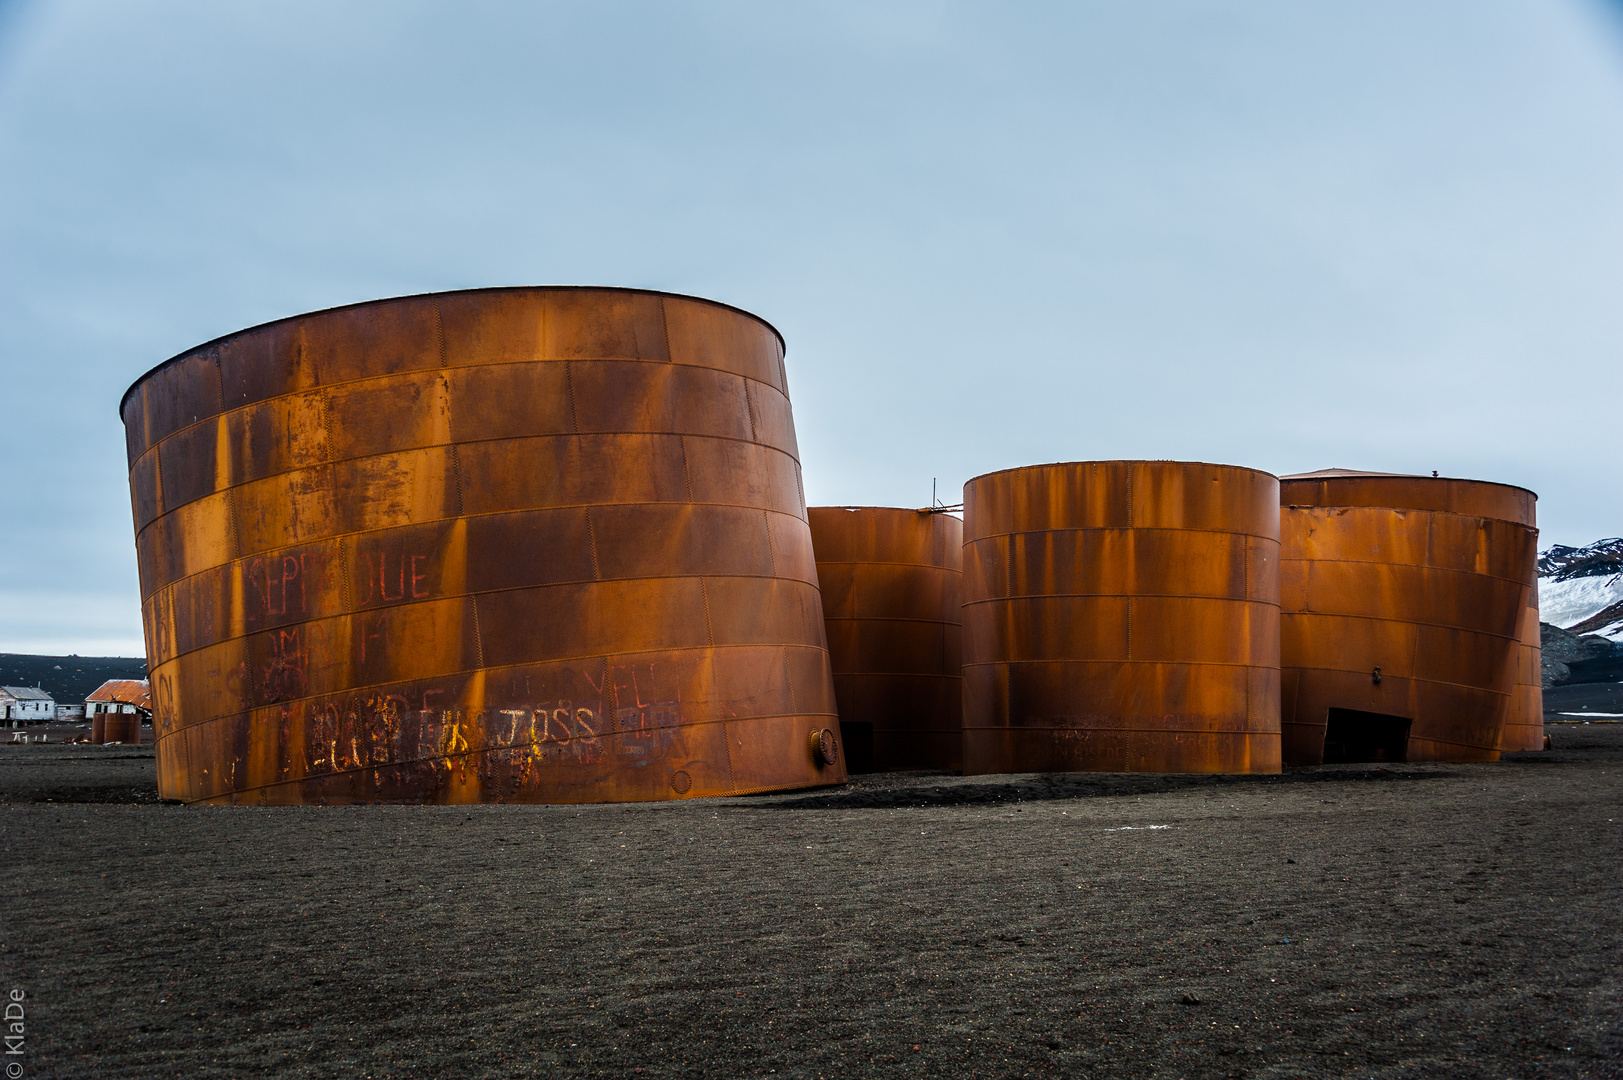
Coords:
771,548
257,552
343,567
1387,565
709,630
396,375
591,537
1293,614
1202,597
392,529
749,407
569,381
1107,662
1421,679
479,442
165,595
1174,529
899,674
687,474
727,745
380,608
439,331
888,619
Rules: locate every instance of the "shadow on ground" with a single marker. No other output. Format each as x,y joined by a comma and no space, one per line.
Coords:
884,791
108,774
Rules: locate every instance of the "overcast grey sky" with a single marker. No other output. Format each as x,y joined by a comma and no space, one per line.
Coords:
1283,235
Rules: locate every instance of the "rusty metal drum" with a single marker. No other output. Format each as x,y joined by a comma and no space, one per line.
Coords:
1405,601
1122,616
115,727
122,728
892,583
506,545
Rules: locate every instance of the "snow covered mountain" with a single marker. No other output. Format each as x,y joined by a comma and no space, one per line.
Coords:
1581,589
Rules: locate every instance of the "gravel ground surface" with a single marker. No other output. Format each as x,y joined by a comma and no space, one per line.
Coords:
1413,921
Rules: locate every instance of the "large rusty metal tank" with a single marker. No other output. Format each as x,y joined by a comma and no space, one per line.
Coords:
1404,606
507,545
1121,616
892,582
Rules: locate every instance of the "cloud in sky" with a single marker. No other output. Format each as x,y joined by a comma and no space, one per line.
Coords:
1272,234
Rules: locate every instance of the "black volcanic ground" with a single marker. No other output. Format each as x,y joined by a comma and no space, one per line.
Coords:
1406,921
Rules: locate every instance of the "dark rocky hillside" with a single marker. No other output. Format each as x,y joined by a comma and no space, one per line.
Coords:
68,679
1578,658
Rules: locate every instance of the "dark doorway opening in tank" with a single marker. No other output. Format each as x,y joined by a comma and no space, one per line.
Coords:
1350,735
858,739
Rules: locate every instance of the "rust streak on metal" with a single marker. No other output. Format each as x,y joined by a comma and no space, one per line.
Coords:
1431,580
1524,726
1121,616
892,585
508,545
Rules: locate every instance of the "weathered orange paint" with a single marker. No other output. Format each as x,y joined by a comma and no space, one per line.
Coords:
508,545
1427,579
1121,616
892,583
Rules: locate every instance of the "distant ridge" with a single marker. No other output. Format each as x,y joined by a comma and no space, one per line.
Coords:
1562,563
68,679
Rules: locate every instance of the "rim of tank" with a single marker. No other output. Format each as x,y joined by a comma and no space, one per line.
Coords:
1365,474
899,509
1121,461
782,345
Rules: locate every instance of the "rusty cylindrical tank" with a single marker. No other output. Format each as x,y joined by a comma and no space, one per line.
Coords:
115,727
1123,616
123,728
892,583
506,545
1404,602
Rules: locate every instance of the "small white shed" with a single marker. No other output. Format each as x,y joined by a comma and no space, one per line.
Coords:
26,705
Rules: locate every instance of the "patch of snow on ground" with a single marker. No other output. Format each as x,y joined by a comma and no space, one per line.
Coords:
1562,603
1614,632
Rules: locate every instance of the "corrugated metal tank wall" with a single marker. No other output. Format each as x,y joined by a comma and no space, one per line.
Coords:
892,582
1404,600
511,545
1122,616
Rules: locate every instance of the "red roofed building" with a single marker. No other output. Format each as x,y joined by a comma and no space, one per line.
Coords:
117,709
